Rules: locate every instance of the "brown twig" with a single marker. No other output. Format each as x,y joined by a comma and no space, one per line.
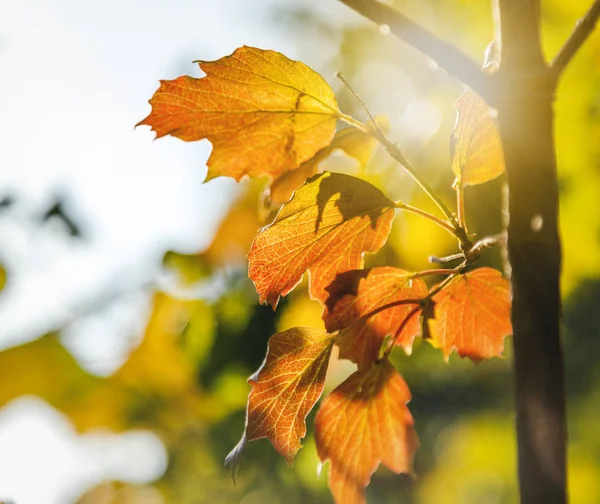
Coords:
582,30
436,220
444,54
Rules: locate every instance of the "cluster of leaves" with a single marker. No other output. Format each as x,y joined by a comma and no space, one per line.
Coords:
267,115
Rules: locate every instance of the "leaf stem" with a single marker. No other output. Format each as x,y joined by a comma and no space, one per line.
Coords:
452,275
420,301
460,205
436,220
362,104
442,285
430,272
458,230
404,323
379,309
397,154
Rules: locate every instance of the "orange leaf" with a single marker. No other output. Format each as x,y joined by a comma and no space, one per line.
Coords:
282,188
353,142
285,389
360,145
362,423
262,112
476,146
357,293
328,225
472,315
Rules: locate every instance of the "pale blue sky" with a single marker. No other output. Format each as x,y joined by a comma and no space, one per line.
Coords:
76,77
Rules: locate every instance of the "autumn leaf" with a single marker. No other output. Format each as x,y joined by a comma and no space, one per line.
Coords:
357,144
362,423
472,315
282,188
356,294
262,112
476,146
325,229
285,389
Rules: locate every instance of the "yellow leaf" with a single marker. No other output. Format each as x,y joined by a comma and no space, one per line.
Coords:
476,146
262,112
353,142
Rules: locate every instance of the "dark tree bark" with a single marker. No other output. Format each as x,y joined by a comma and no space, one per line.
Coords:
523,92
526,120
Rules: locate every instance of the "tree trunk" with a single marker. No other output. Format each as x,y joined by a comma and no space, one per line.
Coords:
523,93
524,102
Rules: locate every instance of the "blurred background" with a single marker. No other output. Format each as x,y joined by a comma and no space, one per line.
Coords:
127,324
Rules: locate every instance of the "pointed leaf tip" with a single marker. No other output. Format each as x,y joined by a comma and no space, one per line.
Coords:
233,458
285,389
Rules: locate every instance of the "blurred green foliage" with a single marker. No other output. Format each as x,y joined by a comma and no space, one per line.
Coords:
186,381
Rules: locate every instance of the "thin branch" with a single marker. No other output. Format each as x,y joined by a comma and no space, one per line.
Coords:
484,244
473,253
582,30
436,220
459,231
446,259
362,104
395,152
442,271
444,54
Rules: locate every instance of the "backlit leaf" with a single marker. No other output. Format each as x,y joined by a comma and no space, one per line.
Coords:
262,112
282,188
357,293
326,228
355,143
476,146
472,315
362,423
285,389
360,145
